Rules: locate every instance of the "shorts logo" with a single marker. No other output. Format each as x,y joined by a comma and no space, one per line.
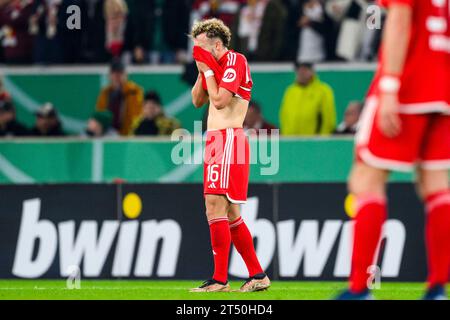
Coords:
229,75
212,186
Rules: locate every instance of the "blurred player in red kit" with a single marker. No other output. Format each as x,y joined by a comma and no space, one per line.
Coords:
225,81
405,126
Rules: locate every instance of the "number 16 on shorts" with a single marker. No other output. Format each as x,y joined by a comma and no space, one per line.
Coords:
212,173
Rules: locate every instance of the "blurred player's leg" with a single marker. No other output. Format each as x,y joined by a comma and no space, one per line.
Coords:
243,241
367,184
433,185
217,207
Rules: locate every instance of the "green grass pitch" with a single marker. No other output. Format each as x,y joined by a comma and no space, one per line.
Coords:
174,290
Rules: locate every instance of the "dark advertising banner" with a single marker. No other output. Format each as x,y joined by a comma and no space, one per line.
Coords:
314,233
159,231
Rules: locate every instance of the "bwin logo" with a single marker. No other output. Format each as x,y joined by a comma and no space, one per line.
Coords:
92,245
311,247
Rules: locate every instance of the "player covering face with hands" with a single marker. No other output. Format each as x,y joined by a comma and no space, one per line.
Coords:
405,126
224,81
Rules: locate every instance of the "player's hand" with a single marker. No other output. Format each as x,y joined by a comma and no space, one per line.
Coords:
202,67
388,118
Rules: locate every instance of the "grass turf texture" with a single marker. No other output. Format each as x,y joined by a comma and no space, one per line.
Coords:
178,290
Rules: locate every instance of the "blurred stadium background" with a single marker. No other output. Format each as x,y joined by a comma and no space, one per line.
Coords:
83,185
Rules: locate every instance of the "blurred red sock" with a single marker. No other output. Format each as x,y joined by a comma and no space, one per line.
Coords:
243,241
369,220
220,242
437,237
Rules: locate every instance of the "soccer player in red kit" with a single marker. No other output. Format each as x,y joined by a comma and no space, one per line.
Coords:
226,169
405,126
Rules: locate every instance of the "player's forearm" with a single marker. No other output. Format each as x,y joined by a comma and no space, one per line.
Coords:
199,96
396,39
213,92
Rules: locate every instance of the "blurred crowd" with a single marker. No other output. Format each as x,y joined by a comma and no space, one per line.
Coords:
307,108
155,31
122,109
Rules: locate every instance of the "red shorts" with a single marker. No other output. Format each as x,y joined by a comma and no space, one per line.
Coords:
226,167
424,141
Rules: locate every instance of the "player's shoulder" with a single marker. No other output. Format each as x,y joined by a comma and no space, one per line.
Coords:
235,58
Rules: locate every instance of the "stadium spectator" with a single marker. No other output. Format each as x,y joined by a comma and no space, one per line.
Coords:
122,97
308,106
71,39
93,33
259,29
351,118
46,25
355,41
153,121
371,37
16,41
224,10
255,120
9,126
175,26
99,125
116,12
290,38
316,33
4,95
162,23
140,28
47,123
336,9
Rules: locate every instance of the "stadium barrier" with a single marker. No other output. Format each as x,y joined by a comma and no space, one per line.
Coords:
74,90
150,160
159,231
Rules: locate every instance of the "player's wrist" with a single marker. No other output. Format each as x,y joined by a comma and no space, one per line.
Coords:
389,84
208,73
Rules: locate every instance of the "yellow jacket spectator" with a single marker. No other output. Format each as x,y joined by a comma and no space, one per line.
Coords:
308,106
123,98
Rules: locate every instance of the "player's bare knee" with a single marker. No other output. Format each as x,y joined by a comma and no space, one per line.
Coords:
354,181
234,212
431,181
215,207
367,180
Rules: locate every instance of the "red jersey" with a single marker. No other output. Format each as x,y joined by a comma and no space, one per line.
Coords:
236,75
425,81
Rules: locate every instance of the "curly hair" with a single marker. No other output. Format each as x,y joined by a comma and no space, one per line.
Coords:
214,28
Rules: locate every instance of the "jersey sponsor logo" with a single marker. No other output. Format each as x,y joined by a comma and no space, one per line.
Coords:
229,75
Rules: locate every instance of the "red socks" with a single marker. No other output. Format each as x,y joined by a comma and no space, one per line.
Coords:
369,220
243,241
220,242
437,237
222,233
